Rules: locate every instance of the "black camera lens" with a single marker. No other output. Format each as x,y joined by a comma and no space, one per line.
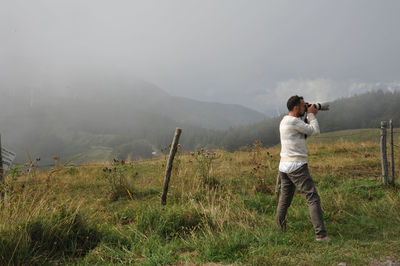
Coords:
317,105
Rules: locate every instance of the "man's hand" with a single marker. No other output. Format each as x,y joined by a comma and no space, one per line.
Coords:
312,109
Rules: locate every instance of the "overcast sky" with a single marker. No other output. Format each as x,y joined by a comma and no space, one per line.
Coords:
254,53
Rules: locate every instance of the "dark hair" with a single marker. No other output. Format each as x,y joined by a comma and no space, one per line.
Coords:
293,101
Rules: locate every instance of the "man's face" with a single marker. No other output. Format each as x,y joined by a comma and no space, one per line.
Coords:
301,108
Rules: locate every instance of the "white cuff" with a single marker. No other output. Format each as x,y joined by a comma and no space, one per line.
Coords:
311,117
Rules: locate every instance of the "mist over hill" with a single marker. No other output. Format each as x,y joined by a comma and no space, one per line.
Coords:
105,118
360,111
128,94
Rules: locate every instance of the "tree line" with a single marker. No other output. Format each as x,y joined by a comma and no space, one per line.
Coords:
64,130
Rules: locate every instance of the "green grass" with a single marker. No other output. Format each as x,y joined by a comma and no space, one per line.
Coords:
353,135
68,217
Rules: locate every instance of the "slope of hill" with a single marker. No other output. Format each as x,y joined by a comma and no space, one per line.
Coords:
360,111
220,210
124,123
110,111
132,97
353,135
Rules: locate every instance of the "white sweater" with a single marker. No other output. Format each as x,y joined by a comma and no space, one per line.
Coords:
293,143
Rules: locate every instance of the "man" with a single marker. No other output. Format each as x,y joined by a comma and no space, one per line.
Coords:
293,167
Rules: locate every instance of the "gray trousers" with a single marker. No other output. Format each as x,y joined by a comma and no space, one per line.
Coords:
301,179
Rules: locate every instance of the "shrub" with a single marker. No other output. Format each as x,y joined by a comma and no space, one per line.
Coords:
116,177
205,161
44,239
169,223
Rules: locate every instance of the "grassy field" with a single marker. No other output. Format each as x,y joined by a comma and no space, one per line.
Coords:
220,210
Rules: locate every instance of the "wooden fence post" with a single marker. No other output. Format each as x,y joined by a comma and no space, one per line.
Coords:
391,153
383,153
168,168
56,162
1,171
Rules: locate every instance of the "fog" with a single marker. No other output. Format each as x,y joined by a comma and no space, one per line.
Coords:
253,53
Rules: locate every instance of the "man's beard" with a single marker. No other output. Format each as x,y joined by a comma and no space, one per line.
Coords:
299,114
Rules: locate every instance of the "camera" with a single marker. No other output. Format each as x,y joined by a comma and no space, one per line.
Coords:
319,106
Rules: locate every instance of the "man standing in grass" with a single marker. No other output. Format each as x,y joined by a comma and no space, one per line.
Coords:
293,167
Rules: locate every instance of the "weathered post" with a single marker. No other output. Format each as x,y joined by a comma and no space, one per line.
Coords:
383,153
1,171
168,168
391,153
56,162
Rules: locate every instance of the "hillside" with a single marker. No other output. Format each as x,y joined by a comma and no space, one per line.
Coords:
121,95
220,209
360,111
122,123
118,113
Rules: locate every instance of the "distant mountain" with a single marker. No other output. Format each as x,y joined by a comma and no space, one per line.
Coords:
105,117
112,113
133,96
